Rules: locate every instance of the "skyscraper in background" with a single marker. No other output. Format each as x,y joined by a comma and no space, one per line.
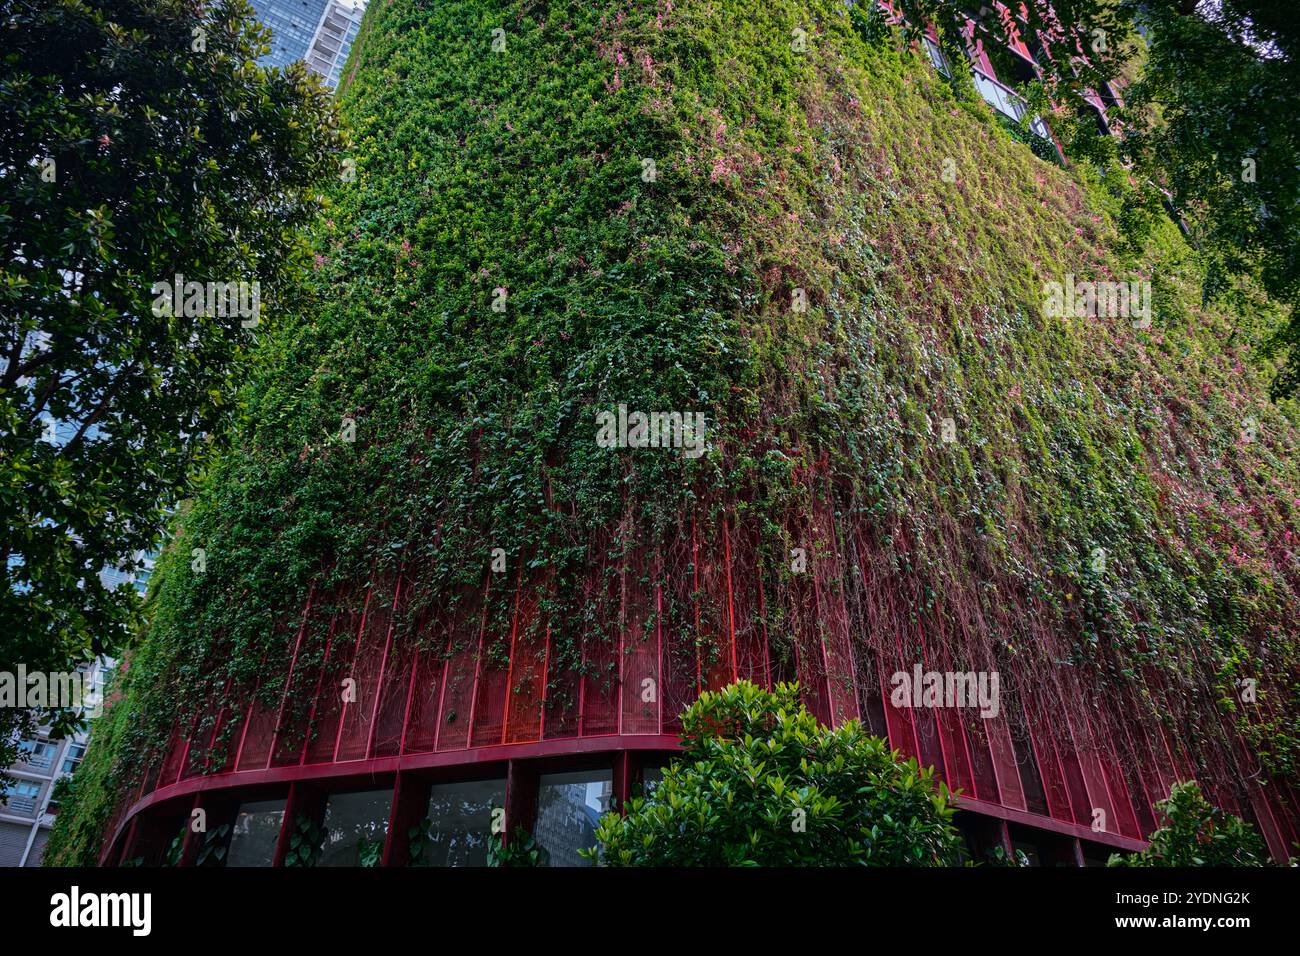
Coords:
27,812
332,41
318,31
321,33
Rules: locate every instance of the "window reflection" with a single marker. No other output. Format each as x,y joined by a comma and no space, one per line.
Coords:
569,805
459,822
355,827
255,833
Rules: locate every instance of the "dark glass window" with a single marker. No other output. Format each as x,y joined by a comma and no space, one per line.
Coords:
459,822
255,833
355,827
568,808
650,777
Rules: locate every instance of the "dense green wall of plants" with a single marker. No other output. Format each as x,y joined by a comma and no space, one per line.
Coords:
775,169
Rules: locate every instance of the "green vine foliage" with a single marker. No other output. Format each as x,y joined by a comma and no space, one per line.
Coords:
307,842
418,843
522,849
1196,833
216,844
397,427
172,855
762,783
369,852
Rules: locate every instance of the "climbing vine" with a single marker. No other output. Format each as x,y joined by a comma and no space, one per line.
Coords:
499,263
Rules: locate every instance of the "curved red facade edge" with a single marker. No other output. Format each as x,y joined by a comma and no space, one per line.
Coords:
445,705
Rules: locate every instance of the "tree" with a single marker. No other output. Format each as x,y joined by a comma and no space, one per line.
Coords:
140,147
762,783
1207,127
1213,123
1196,833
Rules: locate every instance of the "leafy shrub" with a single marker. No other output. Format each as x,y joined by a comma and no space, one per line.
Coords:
521,850
1197,833
763,783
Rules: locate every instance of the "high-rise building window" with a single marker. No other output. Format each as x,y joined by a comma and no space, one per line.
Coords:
72,758
37,754
23,796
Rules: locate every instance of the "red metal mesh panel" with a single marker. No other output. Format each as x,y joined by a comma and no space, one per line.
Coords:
712,605
747,607
902,732
1101,769
1141,765
598,693
956,766
1117,786
1068,754
1098,795
327,706
171,767
599,684
679,658
226,734
1264,819
927,736
1049,768
1026,762
457,701
641,680
367,669
562,710
984,780
833,624
426,689
494,667
1002,753
304,681
258,736
871,704
426,693
1174,763
394,693
196,759
527,676
396,687
810,655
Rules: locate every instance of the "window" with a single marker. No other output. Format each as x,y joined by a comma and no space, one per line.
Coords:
73,757
568,808
650,777
39,754
460,822
23,796
937,56
355,827
255,833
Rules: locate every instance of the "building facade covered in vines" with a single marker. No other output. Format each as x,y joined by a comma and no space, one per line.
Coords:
657,345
